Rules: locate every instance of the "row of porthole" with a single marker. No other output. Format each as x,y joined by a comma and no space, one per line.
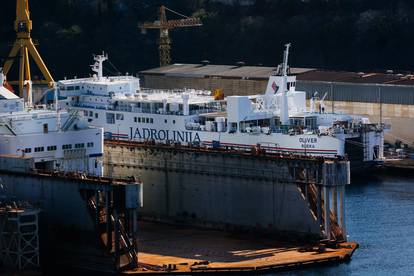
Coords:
166,121
143,120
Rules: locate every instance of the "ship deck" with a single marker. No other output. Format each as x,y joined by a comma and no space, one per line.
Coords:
178,249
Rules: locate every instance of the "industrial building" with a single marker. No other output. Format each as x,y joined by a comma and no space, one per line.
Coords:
383,97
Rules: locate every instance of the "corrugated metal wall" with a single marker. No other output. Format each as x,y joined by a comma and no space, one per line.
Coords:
351,92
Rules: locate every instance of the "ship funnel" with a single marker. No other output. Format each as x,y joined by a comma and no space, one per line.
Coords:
278,84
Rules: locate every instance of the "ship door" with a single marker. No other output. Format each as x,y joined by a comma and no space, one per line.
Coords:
45,128
376,153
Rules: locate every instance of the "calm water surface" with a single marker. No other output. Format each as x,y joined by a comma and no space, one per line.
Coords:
380,217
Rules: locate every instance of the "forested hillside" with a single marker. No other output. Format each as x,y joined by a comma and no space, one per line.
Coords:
356,35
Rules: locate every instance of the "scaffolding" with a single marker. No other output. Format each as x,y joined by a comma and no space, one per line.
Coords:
19,237
115,212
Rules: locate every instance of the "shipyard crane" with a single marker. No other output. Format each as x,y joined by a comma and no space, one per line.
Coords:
164,26
23,48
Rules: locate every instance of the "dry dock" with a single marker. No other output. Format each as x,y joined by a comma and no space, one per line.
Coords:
234,190
173,249
259,198
406,165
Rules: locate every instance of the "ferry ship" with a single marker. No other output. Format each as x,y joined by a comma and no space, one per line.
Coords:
56,140
276,121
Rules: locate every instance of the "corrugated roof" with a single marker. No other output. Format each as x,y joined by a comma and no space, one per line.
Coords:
333,76
223,71
263,73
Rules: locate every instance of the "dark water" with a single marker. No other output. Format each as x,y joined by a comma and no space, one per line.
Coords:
380,217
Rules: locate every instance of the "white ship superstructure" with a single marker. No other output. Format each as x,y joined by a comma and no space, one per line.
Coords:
277,121
56,140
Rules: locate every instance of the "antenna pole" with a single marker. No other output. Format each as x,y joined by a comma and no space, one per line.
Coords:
285,59
284,108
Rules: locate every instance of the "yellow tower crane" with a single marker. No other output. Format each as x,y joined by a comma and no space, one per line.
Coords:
23,46
164,26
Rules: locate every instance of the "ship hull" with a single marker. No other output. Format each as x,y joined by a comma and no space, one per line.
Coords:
172,129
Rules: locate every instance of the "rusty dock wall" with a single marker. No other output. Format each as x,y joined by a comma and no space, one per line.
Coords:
76,212
233,190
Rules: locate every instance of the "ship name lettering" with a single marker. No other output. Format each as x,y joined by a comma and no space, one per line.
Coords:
163,135
308,140
308,146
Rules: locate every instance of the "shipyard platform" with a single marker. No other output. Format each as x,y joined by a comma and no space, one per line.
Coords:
174,249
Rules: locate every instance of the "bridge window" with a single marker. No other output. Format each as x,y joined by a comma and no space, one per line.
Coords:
51,148
67,146
28,150
79,146
39,149
90,145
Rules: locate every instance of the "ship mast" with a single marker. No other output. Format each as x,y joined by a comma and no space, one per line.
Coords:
284,107
97,67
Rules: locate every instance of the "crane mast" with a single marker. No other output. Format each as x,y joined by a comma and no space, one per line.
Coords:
24,48
164,25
